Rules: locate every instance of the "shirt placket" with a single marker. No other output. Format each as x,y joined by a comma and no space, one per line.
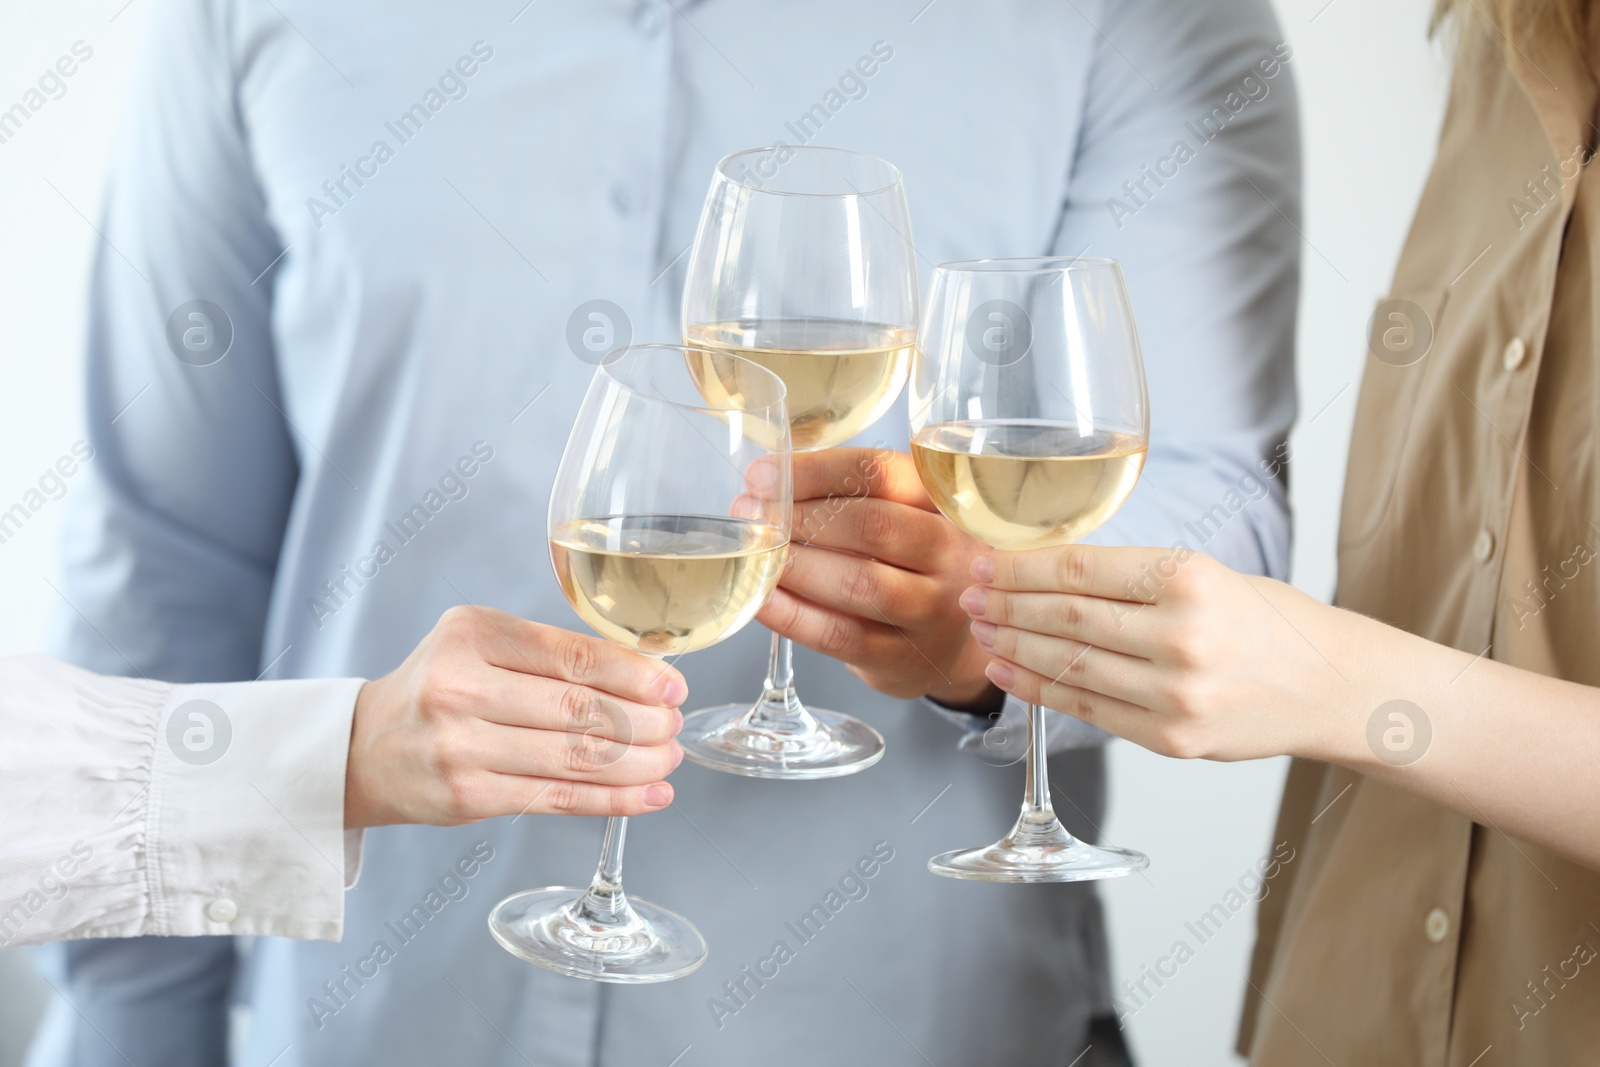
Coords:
634,207
1505,383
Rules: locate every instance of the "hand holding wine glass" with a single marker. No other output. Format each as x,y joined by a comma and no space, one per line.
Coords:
874,577
660,547
1029,426
803,264
495,715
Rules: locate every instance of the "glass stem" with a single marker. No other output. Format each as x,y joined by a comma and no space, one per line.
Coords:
1038,823
780,665
1037,797
779,710
604,902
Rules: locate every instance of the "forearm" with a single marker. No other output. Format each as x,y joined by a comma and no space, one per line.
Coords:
1509,748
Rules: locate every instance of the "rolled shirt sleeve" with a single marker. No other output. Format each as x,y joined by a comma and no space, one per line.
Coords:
138,808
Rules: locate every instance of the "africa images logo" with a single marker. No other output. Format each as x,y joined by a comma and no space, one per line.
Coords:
199,732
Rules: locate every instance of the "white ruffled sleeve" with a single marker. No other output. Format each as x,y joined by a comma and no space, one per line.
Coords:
132,807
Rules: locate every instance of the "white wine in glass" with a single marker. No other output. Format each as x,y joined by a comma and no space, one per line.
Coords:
803,265
841,376
1025,484
667,584
658,546
1029,428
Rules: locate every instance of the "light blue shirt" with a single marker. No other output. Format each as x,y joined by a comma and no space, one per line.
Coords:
403,212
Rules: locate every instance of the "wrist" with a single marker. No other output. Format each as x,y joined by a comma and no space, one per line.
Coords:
361,805
1378,665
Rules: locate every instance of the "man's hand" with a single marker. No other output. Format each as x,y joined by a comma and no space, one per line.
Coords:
873,577
494,715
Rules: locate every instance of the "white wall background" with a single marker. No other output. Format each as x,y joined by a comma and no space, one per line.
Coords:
1371,90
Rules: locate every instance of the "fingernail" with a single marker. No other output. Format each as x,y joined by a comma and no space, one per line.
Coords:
676,692
678,729
984,633
983,569
1000,675
762,474
658,795
746,506
973,601
677,755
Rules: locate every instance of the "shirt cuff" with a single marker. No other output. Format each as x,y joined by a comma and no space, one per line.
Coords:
354,848
244,831
1003,738
131,807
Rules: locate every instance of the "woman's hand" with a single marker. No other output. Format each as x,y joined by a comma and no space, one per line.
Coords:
1178,653
1171,650
494,715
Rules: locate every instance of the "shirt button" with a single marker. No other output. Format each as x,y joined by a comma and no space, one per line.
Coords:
1483,546
1516,351
649,18
623,200
222,910
1437,925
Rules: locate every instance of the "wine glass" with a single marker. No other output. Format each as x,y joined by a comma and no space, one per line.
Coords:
803,264
659,545
1029,425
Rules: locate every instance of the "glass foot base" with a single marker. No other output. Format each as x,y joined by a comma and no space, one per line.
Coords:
825,744
1039,849
649,944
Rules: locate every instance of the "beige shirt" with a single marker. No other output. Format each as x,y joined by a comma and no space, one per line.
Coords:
1410,935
